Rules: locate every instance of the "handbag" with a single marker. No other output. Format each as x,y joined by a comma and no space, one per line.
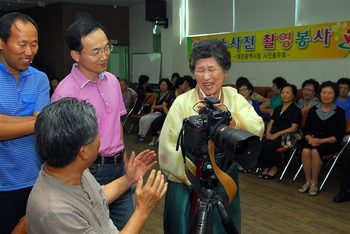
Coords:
290,139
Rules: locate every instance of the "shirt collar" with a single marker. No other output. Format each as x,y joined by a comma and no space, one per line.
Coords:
81,79
22,73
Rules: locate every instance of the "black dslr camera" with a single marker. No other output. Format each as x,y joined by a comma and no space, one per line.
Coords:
213,123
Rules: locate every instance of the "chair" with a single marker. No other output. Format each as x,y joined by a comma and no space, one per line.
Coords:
294,150
331,157
20,228
149,100
133,103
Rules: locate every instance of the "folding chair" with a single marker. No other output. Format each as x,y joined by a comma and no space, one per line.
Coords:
330,157
149,100
133,103
294,150
20,228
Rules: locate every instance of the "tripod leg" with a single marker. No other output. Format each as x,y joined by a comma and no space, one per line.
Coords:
202,220
226,220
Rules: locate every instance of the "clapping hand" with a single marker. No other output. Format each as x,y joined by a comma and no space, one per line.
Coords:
138,165
148,196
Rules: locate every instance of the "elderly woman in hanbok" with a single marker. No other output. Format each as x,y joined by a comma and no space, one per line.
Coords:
210,62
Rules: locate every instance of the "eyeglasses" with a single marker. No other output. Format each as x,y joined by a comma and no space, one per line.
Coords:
107,50
308,90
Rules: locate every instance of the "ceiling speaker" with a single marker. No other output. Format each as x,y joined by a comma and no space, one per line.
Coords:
155,10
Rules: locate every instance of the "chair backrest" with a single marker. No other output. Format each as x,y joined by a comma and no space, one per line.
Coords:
133,103
303,119
347,128
149,100
20,227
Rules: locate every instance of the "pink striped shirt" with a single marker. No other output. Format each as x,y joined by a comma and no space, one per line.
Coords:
105,95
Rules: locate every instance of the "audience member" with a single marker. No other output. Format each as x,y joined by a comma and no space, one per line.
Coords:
24,91
193,84
343,100
156,110
323,131
210,62
245,88
275,100
174,76
141,91
127,94
255,96
309,99
66,198
156,126
188,82
285,118
344,193
53,84
90,48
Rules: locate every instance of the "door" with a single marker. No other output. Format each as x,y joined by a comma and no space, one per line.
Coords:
118,62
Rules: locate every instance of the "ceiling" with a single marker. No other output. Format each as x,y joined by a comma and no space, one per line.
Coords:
13,5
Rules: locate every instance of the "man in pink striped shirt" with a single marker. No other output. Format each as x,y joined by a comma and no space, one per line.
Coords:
88,80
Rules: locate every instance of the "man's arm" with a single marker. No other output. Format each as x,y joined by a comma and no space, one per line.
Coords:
147,198
136,167
12,127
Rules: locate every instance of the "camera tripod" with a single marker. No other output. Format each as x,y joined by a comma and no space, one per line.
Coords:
202,222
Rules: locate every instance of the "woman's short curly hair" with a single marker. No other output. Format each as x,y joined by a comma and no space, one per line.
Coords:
211,48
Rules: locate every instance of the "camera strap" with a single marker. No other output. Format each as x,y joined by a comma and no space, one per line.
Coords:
226,180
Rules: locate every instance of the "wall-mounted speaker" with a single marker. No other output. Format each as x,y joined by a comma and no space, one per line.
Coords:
155,10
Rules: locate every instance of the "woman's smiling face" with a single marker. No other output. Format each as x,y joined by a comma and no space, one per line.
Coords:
210,76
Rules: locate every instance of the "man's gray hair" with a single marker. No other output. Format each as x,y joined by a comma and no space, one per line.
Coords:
62,128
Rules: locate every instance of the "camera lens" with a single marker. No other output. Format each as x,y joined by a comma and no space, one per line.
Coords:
239,145
241,148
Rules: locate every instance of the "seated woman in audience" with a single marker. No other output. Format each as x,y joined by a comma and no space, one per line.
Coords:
188,82
245,88
309,99
174,77
276,99
285,118
127,94
343,100
323,131
254,96
145,122
141,91
156,126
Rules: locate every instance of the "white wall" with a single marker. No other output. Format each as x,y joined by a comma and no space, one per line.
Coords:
141,37
248,15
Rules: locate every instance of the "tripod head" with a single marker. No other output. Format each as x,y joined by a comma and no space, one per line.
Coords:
208,180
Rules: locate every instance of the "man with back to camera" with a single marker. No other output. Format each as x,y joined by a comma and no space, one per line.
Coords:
66,198
24,91
88,80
